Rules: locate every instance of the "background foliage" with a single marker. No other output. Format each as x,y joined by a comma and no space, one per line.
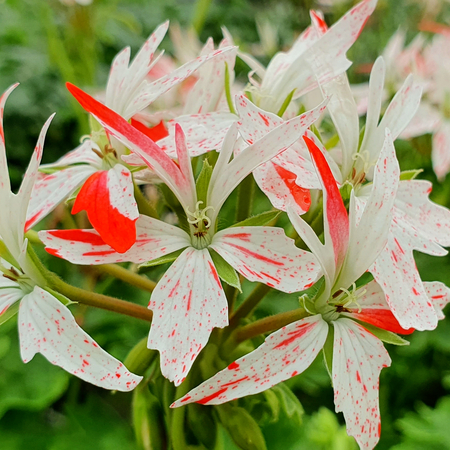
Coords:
41,406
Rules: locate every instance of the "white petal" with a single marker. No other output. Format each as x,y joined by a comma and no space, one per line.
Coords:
266,255
439,294
284,354
441,151
154,239
48,327
368,237
187,304
358,357
50,190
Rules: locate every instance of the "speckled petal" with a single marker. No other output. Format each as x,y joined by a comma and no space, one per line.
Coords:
284,354
358,357
107,196
46,326
187,304
266,255
154,239
50,190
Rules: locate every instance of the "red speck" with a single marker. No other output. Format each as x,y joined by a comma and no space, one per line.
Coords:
207,399
358,377
214,274
293,336
235,381
185,399
118,375
265,119
233,366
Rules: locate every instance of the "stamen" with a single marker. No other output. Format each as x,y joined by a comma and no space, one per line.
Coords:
365,158
350,297
199,215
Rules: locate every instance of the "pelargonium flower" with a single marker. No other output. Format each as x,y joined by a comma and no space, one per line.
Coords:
418,223
189,301
106,182
46,326
358,355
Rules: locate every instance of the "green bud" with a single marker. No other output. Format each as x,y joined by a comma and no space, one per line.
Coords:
147,419
202,424
241,426
140,357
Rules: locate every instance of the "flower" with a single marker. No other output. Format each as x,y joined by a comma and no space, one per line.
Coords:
358,355
46,326
107,183
189,301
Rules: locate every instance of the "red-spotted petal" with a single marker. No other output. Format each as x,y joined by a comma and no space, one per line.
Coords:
284,354
187,304
107,197
154,239
358,357
335,214
266,255
46,326
50,190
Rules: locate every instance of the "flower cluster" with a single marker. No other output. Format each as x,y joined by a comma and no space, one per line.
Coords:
356,218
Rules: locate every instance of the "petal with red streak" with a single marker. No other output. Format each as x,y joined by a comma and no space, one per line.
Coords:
107,197
187,304
358,357
284,354
154,239
267,255
46,326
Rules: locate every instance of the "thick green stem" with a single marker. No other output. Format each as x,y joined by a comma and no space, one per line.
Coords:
126,275
98,300
144,206
248,305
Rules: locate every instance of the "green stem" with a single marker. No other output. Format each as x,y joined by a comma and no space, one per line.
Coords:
228,90
126,275
248,305
98,300
245,197
144,206
200,13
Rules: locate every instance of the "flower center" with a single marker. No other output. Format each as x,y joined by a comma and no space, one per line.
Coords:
200,225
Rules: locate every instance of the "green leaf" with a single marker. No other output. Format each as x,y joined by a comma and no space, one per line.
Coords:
62,298
225,271
161,260
173,203
410,174
328,352
242,427
289,404
285,104
10,312
202,181
258,220
384,335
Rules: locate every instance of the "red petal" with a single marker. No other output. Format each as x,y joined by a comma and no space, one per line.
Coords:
115,229
154,133
301,195
381,318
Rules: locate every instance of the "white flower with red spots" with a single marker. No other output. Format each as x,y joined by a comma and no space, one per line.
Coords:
358,356
189,302
418,223
107,184
46,326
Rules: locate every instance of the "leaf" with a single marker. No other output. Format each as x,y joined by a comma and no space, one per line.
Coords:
258,220
202,181
384,335
225,271
410,174
33,386
162,260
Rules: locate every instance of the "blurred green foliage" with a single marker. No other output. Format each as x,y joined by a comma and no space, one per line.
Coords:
45,43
